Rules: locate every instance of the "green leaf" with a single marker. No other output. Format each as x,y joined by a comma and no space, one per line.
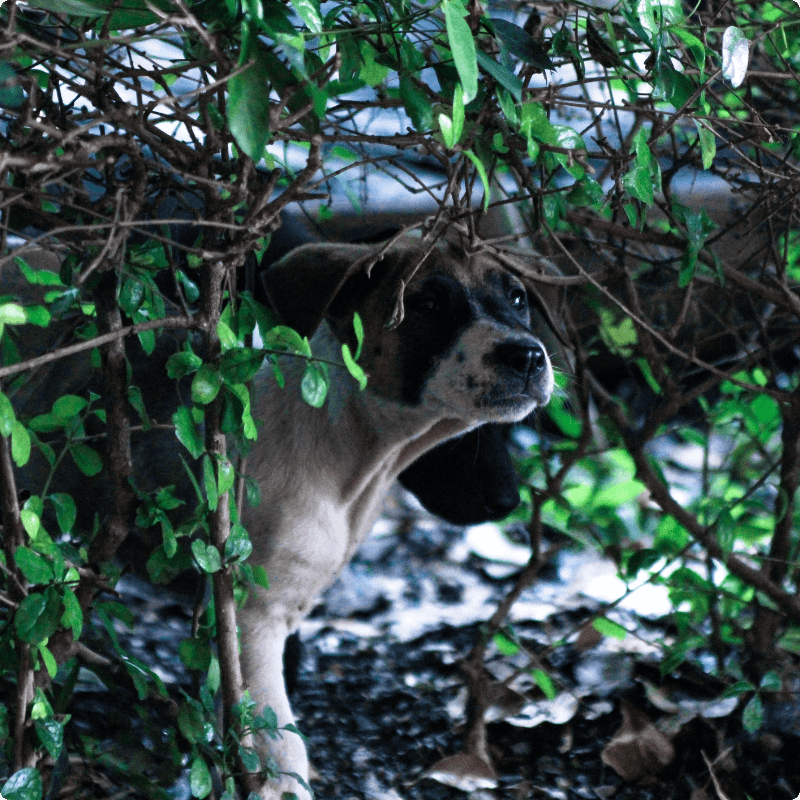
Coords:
505,644
23,785
708,144
66,513
314,386
51,735
191,722
483,176
735,55
286,339
240,364
186,431
73,616
309,12
241,392
12,314
248,106
38,616
771,682
20,444
638,184
35,568
238,546
195,654
521,44
183,363
753,714
618,493
416,103
446,127
226,476
206,384
504,76
7,416
86,459
30,521
458,114
49,660
358,328
199,778
207,556
545,683
69,406
609,628
462,45
354,369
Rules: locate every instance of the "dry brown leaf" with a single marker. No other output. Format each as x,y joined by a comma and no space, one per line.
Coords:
588,637
638,748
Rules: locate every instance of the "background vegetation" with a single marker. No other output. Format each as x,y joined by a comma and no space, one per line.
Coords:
649,149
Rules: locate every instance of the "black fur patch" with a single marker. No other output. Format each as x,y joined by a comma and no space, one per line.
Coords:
436,314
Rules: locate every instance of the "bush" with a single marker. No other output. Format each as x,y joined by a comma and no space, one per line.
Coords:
148,151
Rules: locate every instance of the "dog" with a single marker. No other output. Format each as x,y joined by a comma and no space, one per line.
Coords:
443,385
464,354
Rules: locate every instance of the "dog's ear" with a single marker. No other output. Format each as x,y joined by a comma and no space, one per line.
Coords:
467,480
304,283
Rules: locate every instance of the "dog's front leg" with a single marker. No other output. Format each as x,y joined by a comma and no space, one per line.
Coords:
263,631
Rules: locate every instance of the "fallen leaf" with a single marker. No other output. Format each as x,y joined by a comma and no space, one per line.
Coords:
638,748
465,771
588,637
557,711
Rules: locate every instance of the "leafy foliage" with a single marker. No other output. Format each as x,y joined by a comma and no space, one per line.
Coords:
650,150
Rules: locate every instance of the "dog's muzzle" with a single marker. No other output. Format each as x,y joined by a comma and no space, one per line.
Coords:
526,359
524,364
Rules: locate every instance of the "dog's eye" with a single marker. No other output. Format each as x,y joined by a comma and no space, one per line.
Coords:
425,302
518,299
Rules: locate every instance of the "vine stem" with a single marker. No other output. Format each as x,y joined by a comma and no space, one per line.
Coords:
231,678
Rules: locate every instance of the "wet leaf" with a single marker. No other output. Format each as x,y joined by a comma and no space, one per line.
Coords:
314,386
26,784
207,556
735,55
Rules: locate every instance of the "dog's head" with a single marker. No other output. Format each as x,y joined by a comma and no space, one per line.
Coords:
465,346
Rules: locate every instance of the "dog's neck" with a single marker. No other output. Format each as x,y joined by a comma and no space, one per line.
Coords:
315,447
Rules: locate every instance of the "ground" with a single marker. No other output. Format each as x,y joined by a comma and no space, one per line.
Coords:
381,693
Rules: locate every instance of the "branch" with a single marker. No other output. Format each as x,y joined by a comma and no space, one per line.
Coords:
89,344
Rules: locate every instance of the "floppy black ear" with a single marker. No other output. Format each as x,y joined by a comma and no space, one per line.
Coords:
304,283
467,480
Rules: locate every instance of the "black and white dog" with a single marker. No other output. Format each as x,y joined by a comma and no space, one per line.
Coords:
464,354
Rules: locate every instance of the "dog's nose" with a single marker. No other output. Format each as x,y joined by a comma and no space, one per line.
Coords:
524,358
